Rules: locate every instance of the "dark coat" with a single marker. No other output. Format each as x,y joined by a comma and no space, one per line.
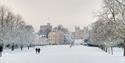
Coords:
38,50
1,48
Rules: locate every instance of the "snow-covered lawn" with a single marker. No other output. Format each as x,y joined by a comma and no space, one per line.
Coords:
117,51
61,54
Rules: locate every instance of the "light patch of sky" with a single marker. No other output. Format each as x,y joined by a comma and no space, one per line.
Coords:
69,13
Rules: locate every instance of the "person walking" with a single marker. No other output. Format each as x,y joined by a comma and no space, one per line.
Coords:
1,50
12,47
21,47
38,50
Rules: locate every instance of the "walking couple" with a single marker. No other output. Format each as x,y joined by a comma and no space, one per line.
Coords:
37,50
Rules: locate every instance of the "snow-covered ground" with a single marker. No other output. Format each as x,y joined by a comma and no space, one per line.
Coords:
61,54
117,51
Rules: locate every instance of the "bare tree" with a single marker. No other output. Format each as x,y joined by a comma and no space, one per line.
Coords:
113,25
13,29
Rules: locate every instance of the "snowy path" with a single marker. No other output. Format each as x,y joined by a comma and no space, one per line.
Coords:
61,54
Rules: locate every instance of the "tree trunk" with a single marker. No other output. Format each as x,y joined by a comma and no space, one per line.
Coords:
124,47
109,50
106,49
112,50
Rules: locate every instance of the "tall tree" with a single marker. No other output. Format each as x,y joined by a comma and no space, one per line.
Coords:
113,14
13,29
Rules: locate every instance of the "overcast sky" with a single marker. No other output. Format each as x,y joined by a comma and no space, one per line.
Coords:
69,13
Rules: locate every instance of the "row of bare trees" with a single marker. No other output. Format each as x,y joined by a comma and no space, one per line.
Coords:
13,30
109,29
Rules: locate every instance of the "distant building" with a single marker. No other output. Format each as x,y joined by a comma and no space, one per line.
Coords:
60,28
78,34
44,30
56,37
86,33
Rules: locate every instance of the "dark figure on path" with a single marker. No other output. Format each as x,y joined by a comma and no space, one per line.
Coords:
28,47
21,47
38,50
1,50
12,48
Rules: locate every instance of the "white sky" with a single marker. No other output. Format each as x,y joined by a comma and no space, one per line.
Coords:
69,13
